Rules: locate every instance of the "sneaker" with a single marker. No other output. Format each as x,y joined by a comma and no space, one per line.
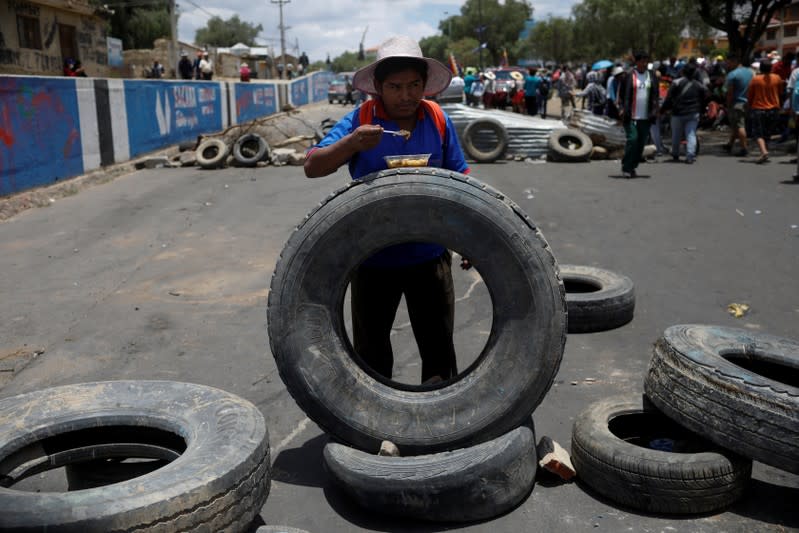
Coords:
727,147
690,161
675,158
742,153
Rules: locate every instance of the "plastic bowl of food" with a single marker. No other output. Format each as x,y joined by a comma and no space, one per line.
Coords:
408,160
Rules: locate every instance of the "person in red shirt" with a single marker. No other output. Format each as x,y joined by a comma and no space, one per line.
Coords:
764,98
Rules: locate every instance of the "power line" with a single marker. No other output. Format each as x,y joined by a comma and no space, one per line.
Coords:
202,9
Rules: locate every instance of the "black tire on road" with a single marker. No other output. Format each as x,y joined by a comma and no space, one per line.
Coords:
212,153
216,444
597,299
464,485
497,393
569,145
249,149
736,387
638,457
476,135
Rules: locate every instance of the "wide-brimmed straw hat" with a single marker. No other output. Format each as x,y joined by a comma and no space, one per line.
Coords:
438,75
516,75
490,75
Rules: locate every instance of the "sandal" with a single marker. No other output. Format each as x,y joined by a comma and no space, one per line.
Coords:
762,159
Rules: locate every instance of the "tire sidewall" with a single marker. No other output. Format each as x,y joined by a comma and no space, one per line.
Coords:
226,437
469,145
215,161
558,152
314,356
260,155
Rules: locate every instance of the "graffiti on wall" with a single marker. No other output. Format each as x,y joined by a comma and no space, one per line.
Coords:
161,113
39,132
255,100
320,82
299,92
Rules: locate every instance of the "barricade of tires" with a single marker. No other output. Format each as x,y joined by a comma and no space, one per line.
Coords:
202,458
715,399
280,139
467,453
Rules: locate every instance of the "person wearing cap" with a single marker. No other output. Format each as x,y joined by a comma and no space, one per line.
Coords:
206,67
398,81
184,67
244,72
638,104
614,79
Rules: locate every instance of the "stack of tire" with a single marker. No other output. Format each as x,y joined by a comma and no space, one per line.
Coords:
246,151
715,398
468,448
200,458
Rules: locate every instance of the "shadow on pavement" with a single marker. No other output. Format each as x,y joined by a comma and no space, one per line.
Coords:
303,465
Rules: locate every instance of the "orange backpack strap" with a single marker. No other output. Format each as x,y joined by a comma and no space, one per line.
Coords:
366,112
437,114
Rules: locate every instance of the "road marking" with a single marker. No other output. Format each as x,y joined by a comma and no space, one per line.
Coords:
299,429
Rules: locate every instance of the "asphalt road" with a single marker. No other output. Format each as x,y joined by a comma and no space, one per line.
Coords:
164,274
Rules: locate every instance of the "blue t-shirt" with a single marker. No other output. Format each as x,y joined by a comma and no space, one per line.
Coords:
425,139
531,85
739,79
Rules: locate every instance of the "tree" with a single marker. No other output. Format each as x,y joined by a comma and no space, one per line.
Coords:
497,25
346,62
744,21
613,28
551,39
138,26
220,32
437,47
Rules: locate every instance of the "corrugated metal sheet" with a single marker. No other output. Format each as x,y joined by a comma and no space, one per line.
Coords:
604,131
527,136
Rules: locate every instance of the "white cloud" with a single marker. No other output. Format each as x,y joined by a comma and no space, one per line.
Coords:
322,27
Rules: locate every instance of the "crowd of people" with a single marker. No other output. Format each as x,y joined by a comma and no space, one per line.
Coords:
754,99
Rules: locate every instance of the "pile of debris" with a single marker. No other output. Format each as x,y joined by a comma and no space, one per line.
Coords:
280,139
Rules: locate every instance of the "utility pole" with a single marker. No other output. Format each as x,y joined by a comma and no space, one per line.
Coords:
282,36
173,46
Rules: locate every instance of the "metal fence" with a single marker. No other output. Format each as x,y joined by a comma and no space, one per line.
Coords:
527,136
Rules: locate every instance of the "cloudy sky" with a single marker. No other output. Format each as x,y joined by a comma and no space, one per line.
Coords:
321,27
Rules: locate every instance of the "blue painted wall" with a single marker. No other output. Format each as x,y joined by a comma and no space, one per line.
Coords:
299,92
42,140
39,132
164,113
255,100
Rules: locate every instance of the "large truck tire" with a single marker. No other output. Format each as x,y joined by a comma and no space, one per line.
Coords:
635,455
357,405
736,387
464,485
216,445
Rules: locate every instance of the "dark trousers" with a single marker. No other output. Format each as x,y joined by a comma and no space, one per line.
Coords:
428,290
637,133
531,103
